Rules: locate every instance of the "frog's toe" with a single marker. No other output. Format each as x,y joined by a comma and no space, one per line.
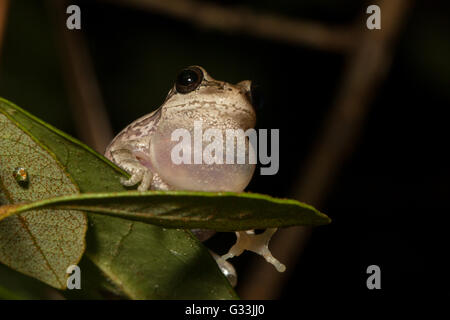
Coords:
227,268
258,243
133,180
146,181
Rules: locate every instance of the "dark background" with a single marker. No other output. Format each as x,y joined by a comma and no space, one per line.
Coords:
388,199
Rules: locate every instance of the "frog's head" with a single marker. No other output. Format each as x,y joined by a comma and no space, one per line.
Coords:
200,96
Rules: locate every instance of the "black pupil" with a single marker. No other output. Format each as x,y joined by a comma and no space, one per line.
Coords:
187,77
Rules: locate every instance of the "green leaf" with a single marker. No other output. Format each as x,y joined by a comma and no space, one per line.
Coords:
42,245
15,285
5,294
226,211
136,263
149,262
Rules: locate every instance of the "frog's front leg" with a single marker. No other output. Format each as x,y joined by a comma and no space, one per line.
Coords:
128,161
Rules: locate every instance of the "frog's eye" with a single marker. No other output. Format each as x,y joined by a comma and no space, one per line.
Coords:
189,79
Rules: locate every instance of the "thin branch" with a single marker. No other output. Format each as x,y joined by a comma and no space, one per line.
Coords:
91,119
366,68
241,20
4,5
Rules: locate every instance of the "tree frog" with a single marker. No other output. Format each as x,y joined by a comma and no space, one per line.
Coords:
144,148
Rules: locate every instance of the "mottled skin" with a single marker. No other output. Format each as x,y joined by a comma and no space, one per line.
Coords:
144,147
